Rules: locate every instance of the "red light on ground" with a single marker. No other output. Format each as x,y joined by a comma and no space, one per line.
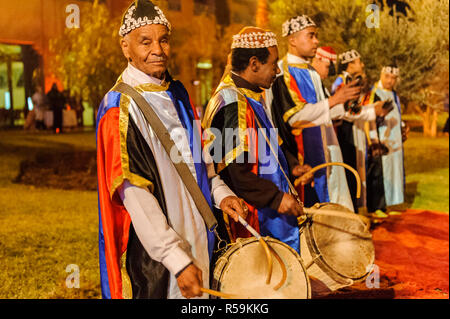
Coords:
57,130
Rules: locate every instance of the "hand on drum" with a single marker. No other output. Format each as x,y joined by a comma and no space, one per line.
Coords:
302,172
234,207
190,281
290,206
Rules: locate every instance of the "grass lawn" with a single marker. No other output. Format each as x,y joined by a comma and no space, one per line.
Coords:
43,230
427,172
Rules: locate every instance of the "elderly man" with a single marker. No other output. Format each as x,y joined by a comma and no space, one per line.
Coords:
390,131
245,145
148,220
301,111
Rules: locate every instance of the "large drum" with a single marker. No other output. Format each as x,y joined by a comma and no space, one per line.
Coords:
242,271
336,250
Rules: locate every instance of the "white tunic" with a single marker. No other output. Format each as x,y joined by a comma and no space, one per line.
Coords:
319,114
390,134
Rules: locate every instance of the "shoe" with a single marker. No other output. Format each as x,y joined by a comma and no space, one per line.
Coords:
380,214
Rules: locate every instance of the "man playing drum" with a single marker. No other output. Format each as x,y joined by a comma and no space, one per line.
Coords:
244,144
301,112
148,219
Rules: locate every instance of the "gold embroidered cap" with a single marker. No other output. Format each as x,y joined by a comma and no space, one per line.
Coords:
254,38
349,56
391,70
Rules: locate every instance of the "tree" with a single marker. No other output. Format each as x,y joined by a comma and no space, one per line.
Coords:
417,42
89,60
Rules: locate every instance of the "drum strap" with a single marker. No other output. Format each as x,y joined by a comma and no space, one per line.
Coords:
275,154
168,144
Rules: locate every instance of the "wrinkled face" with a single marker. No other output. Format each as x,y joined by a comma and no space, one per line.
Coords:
388,81
265,74
148,49
322,67
305,42
356,67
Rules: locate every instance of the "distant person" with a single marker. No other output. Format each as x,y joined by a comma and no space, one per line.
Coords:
79,108
392,132
57,102
39,103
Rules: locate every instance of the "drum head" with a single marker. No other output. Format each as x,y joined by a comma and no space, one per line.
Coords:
242,270
344,244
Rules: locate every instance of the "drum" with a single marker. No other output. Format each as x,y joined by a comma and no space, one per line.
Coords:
242,271
336,250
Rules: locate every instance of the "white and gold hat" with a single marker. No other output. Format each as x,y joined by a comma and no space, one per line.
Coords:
141,13
391,70
349,56
296,24
254,38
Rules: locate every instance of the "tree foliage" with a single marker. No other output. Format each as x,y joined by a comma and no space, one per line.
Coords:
262,14
417,42
89,59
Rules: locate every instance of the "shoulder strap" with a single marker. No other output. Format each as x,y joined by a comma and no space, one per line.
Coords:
168,144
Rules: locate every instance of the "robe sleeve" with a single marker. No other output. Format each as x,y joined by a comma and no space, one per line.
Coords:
160,241
367,113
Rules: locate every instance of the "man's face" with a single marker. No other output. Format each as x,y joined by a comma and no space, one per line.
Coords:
356,67
388,81
305,42
267,73
148,48
322,67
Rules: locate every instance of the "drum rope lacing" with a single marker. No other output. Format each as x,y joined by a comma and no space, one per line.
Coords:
301,219
268,250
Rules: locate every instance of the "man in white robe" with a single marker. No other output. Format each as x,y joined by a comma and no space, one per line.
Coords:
301,111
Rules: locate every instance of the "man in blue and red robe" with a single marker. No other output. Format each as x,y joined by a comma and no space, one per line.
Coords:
153,241
245,146
301,111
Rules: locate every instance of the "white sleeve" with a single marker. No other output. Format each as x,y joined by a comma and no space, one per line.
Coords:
337,112
311,115
367,113
160,241
219,190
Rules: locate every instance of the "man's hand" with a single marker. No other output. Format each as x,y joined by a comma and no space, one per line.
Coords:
234,207
302,172
190,281
290,206
345,93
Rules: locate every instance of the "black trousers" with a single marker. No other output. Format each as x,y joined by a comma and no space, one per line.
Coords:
345,137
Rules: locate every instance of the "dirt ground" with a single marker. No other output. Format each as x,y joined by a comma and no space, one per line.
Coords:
70,170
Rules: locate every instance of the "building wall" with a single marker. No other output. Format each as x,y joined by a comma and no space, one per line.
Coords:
36,22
